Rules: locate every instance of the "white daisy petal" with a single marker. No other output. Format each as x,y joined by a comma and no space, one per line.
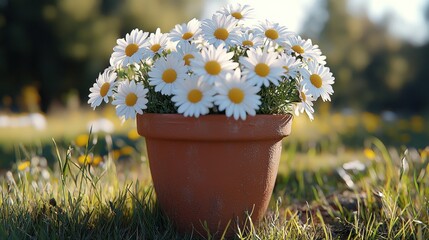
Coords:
128,101
213,63
262,67
166,73
193,96
318,79
220,29
238,11
274,33
306,104
155,44
186,32
129,50
235,95
102,88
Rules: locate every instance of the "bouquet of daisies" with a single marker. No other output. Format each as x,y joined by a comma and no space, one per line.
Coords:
222,65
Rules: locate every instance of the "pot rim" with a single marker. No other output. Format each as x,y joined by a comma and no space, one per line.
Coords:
213,127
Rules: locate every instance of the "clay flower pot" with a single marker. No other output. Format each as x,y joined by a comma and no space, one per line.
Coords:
213,169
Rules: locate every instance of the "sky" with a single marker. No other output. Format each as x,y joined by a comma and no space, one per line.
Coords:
405,17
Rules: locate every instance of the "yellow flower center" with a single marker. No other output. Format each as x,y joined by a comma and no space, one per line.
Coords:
236,95
247,43
84,160
195,96
96,161
262,69
369,153
104,89
286,68
187,59
155,47
298,49
187,35
237,15
303,97
272,34
24,165
131,99
169,75
131,49
316,80
213,67
82,140
221,34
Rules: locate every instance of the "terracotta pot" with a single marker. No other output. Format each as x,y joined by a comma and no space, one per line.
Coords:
213,169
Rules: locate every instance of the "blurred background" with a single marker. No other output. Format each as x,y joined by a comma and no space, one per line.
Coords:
51,52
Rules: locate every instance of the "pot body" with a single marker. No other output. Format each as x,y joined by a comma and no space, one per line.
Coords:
213,169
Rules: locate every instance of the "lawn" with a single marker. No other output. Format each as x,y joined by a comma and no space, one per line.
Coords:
336,181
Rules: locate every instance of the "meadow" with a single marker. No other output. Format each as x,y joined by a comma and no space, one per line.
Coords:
346,175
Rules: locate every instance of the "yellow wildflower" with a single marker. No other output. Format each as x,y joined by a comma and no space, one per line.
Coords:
369,153
81,140
84,160
133,135
24,165
127,150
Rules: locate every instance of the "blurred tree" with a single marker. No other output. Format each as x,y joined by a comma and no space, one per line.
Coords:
374,71
58,46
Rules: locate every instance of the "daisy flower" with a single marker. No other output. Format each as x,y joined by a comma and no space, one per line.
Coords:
262,67
130,99
248,39
155,44
193,97
238,11
220,29
129,50
304,48
102,88
306,104
237,96
318,79
187,51
273,32
290,65
213,63
186,32
166,72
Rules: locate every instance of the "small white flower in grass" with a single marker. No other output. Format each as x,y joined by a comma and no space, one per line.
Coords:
318,79
238,11
186,32
237,96
290,65
304,48
274,33
220,29
129,50
155,44
194,97
130,99
213,63
248,39
102,88
262,67
187,51
166,72
306,103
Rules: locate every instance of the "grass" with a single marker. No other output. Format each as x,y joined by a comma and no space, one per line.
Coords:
386,199
324,190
